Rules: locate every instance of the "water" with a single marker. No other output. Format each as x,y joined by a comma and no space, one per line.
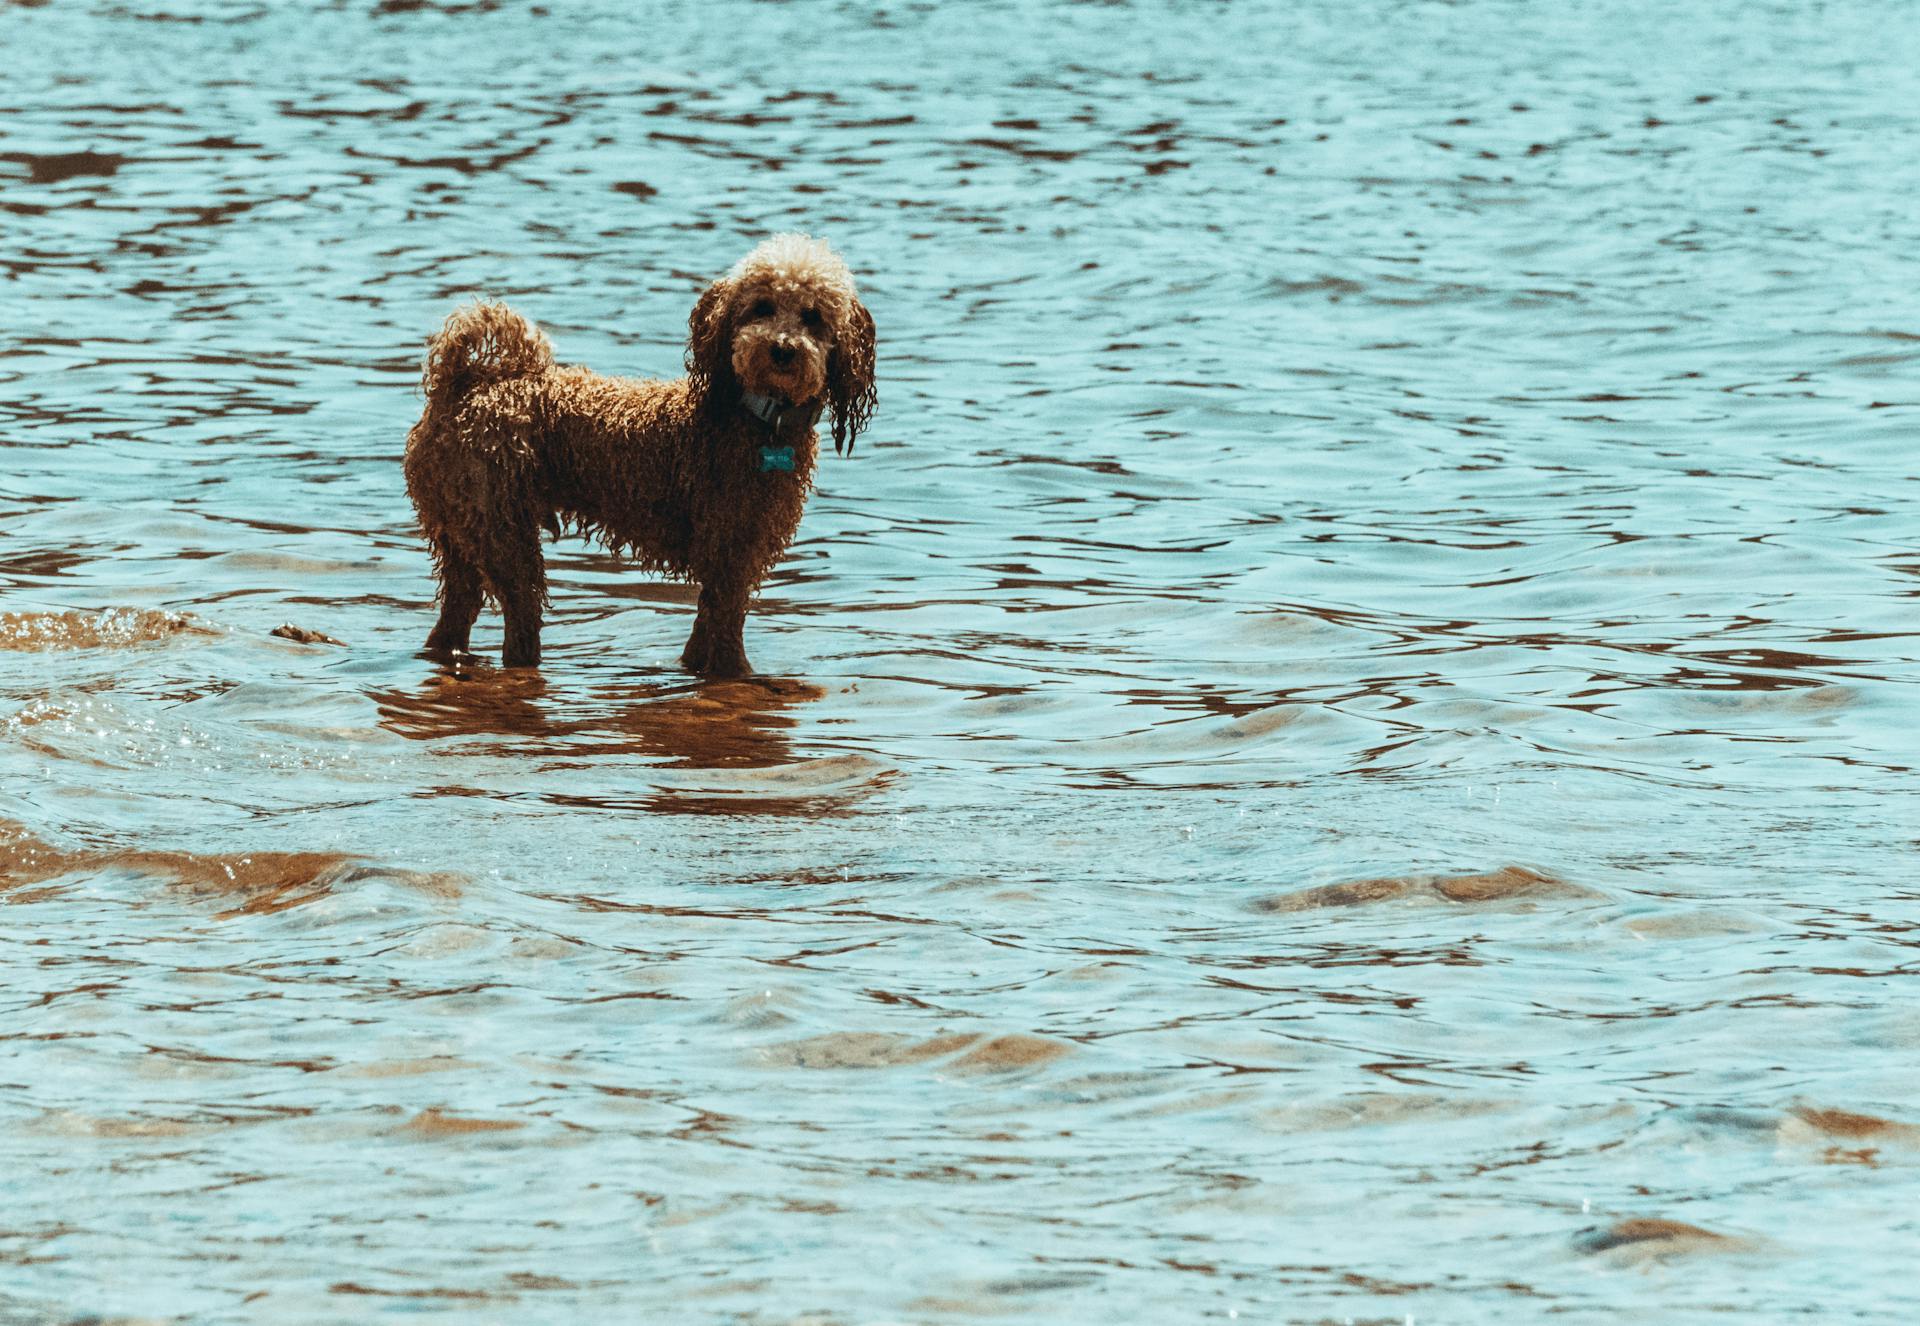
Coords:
1342,751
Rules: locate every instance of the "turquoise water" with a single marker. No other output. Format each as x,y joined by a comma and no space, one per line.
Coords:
1343,750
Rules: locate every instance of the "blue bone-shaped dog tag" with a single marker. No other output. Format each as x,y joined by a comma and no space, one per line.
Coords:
776,458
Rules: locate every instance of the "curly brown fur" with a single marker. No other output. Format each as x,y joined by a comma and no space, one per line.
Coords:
671,474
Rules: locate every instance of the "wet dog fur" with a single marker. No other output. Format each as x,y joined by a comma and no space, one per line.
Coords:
702,478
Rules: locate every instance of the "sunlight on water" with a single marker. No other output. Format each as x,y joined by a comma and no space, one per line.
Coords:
1343,750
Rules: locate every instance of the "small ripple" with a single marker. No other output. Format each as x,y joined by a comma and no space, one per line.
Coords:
1507,884
108,628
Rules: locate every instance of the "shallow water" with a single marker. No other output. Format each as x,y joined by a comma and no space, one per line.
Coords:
1342,751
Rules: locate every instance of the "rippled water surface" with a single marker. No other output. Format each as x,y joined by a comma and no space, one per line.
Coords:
1342,751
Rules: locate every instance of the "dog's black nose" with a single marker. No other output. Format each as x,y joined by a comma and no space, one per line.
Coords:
781,354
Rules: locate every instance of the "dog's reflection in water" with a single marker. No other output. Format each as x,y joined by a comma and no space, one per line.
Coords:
741,724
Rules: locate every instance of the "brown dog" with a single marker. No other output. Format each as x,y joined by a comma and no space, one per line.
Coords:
702,478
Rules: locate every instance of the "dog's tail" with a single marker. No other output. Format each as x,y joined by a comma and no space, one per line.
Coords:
481,343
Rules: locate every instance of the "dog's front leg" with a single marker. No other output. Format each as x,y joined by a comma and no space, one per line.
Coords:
717,647
694,657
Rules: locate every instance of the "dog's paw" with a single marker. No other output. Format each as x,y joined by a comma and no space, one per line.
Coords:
725,667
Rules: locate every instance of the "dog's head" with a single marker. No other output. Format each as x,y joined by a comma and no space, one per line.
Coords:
786,323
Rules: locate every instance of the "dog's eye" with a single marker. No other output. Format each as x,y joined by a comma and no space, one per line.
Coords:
813,319
762,308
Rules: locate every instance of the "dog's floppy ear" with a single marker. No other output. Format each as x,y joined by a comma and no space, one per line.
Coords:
709,342
850,389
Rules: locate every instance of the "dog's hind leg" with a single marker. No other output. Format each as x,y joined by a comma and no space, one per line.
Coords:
459,603
518,576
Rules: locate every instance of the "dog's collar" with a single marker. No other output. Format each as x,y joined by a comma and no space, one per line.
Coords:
775,412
